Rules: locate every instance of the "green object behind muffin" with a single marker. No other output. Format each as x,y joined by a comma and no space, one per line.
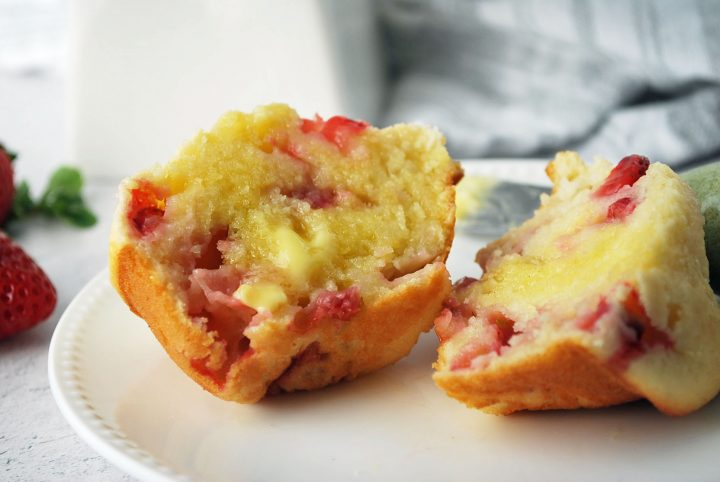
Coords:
705,181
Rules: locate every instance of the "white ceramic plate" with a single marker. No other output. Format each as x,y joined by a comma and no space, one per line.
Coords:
122,394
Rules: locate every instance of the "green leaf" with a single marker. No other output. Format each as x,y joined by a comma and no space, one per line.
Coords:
23,203
63,198
70,208
78,214
65,179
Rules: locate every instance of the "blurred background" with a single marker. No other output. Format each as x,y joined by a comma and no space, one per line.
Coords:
117,85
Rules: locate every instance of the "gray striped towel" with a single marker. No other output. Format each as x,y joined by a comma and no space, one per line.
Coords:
528,77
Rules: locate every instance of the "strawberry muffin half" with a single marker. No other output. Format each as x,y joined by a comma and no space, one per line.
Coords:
601,298
276,253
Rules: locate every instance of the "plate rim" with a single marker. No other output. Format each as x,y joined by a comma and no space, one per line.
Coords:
75,406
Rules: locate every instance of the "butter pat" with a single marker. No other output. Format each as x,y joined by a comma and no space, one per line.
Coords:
293,252
300,257
261,296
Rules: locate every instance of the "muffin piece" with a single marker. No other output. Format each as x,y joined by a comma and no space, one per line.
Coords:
601,298
277,253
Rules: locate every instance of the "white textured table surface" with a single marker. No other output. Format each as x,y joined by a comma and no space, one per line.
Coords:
36,443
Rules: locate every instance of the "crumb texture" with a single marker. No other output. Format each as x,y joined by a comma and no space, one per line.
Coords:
286,247
600,298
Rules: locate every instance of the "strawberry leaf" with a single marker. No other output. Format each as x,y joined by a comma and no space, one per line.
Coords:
23,203
63,198
67,180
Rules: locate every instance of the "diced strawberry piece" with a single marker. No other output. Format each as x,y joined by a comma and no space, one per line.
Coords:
444,327
210,254
452,319
338,130
638,333
496,334
211,305
147,207
312,125
341,130
588,322
336,305
620,209
459,309
504,330
447,325
217,287
626,173
650,336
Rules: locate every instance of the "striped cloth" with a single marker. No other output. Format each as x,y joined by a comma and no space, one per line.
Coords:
528,77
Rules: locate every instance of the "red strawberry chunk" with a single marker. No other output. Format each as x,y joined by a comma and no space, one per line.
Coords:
147,207
504,330
211,254
460,309
620,209
589,321
638,333
336,305
453,319
447,325
493,337
27,296
312,125
210,304
338,130
650,336
626,173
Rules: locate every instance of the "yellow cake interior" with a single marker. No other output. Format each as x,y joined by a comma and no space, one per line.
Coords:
249,175
620,276
277,253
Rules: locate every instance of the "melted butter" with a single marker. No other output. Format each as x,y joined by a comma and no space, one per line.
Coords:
261,296
299,257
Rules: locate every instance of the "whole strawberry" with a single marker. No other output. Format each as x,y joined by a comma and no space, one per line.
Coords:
7,186
27,296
